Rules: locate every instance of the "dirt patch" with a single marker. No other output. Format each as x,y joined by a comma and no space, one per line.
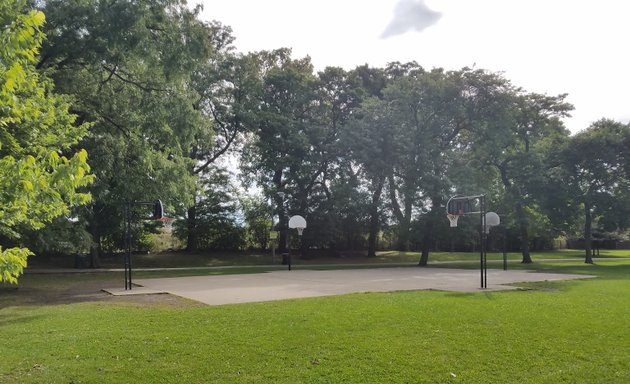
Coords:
69,289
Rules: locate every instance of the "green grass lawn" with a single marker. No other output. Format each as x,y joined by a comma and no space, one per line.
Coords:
560,332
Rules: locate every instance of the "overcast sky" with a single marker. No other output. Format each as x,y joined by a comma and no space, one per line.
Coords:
577,47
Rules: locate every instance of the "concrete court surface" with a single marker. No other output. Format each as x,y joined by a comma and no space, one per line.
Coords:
280,285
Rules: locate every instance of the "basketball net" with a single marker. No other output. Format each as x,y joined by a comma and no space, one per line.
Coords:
299,230
452,219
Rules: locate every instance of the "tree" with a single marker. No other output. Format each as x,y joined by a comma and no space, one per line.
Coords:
41,169
369,142
130,67
216,223
366,138
514,139
594,162
298,125
257,215
428,115
227,88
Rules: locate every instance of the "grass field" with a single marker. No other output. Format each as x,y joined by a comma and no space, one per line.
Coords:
562,332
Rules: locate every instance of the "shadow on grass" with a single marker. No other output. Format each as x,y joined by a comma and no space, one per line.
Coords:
13,319
604,269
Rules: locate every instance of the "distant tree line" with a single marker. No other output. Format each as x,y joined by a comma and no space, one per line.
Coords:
160,100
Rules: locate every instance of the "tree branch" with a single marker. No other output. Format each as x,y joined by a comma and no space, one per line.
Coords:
222,150
392,195
132,82
116,125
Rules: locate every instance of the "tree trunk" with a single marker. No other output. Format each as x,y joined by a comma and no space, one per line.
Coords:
192,241
376,197
402,217
522,223
520,214
283,225
404,240
588,233
426,243
95,253
428,238
403,234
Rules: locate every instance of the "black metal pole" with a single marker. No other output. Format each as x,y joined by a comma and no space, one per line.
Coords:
128,267
273,241
289,249
156,215
505,248
127,246
485,248
481,239
483,245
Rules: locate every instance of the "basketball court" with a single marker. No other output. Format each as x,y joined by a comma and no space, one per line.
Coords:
281,285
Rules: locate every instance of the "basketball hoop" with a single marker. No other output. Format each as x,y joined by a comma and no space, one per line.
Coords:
452,219
492,220
297,222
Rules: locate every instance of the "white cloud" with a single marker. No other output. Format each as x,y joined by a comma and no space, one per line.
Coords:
410,15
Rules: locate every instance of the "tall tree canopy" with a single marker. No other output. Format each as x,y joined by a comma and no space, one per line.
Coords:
363,154
594,162
514,140
41,169
279,156
132,67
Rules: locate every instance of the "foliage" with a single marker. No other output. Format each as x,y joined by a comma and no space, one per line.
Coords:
63,236
515,142
130,66
368,140
216,211
360,153
593,164
41,171
227,88
295,148
257,215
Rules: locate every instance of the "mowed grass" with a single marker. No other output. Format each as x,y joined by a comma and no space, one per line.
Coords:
560,332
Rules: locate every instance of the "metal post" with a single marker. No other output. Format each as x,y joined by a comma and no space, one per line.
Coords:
289,249
273,241
505,248
128,246
483,239
128,214
485,248
481,228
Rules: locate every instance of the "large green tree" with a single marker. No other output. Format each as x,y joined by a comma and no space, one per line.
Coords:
366,142
594,162
131,67
227,88
427,117
428,114
515,138
369,144
295,148
216,214
41,169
